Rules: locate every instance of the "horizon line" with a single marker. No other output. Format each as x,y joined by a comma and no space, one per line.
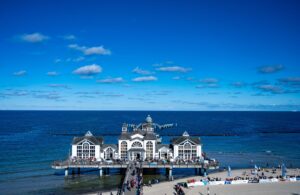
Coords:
154,110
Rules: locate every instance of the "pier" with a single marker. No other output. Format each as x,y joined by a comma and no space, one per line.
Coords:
85,164
139,147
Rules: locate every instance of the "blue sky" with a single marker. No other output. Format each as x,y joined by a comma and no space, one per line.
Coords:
150,55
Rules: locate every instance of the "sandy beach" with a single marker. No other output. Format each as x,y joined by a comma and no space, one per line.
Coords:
279,188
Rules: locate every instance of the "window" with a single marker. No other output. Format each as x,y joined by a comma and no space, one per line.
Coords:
92,151
85,150
136,145
123,150
79,151
187,151
149,150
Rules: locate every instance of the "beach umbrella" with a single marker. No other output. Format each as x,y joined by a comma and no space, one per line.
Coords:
283,170
255,169
229,171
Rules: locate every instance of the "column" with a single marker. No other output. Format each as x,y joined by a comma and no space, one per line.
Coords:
204,173
78,171
100,172
170,174
66,172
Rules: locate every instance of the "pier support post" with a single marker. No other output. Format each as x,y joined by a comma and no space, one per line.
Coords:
78,171
73,171
100,172
204,173
66,172
170,174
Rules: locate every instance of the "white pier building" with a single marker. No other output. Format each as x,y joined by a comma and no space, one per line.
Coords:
138,142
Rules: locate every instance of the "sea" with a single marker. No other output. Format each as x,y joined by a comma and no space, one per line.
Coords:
31,140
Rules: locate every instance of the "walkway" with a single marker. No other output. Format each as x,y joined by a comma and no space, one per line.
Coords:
133,181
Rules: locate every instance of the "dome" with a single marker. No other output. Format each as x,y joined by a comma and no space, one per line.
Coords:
149,119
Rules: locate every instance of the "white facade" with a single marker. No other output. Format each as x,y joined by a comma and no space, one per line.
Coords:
137,146
141,143
87,147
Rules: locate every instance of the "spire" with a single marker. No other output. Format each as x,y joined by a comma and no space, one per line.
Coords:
88,133
124,127
185,134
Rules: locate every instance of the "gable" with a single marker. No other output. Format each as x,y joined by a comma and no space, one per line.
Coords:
137,136
85,140
187,140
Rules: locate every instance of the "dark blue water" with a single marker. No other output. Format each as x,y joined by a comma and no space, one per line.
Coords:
31,140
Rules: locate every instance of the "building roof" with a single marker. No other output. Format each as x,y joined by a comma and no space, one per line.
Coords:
185,136
150,136
124,136
146,135
159,146
114,146
93,139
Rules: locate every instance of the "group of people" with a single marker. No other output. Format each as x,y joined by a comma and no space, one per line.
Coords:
134,180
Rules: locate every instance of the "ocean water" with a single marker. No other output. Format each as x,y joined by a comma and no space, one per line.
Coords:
31,140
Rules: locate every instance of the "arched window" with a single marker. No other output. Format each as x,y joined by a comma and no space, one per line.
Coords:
149,150
123,150
187,146
136,145
109,153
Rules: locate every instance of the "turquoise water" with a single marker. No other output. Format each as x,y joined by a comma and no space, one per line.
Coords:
31,140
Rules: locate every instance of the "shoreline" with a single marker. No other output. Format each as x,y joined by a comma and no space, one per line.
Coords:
249,188
166,187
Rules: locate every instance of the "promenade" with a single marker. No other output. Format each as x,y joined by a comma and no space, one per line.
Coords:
133,181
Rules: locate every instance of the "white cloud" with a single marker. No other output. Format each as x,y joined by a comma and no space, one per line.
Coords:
34,37
271,88
270,69
142,79
173,69
176,78
69,37
98,50
59,86
88,70
20,73
79,59
52,73
141,71
209,80
209,83
111,80
57,60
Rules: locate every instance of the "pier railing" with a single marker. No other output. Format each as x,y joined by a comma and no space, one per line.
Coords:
123,164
